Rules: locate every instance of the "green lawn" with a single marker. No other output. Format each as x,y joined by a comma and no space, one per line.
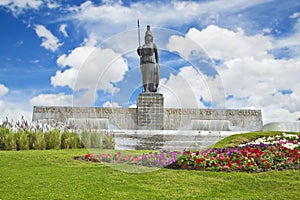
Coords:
53,174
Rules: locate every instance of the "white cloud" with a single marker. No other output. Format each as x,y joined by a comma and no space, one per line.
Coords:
51,4
183,90
62,29
18,6
52,100
49,41
117,17
14,112
133,106
3,90
295,15
2,106
76,58
91,69
111,104
230,44
251,77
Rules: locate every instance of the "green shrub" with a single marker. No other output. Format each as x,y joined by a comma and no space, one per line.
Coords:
10,141
65,140
107,141
86,139
75,140
3,133
53,139
95,140
37,140
70,140
22,140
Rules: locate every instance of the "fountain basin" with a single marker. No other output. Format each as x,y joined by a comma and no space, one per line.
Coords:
167,139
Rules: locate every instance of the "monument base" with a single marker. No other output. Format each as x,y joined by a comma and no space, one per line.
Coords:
150,111
167,139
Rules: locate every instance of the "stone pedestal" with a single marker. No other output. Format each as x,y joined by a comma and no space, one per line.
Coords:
150,111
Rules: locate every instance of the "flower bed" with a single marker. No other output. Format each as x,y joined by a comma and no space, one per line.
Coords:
263,154
153,159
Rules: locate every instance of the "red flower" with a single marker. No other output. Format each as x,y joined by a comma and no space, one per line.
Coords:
198,161
89,156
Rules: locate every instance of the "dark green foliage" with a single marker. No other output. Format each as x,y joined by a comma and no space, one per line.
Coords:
22,140
53,139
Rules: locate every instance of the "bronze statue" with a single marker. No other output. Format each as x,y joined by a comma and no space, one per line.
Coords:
149,62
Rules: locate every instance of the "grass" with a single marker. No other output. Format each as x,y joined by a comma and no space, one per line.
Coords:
54,174
237,139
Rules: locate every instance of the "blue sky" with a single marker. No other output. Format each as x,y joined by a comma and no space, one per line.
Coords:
213,54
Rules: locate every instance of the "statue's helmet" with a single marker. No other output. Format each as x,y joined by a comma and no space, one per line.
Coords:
148,34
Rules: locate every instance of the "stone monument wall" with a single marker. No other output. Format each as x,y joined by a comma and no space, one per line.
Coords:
240,120
119,118
150,111
174,119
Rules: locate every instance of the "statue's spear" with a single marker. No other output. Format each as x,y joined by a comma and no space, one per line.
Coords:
139,34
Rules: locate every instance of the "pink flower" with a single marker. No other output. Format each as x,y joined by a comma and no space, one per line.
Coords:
226,167
135,159
118,154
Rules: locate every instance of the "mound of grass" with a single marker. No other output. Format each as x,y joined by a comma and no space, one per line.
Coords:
241,138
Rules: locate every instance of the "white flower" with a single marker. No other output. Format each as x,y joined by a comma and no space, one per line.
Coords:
290,145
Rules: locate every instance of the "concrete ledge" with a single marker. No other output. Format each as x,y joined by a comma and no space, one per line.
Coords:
282,126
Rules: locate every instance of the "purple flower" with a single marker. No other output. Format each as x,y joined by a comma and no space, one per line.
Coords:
162,156
262,145
229,153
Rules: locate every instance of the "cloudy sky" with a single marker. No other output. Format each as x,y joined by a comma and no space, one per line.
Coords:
213,54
